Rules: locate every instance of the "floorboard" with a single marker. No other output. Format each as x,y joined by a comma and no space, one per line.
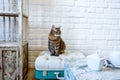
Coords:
30,75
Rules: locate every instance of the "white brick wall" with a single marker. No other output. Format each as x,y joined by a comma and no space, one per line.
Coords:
90,26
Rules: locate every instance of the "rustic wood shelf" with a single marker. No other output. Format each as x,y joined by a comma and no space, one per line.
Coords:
9,14
9,44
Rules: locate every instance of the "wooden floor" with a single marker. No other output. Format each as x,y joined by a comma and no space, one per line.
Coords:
30,75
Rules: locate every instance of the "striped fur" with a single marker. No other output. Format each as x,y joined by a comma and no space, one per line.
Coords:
55,43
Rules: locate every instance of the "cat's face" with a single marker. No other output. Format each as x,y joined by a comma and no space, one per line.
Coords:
56,31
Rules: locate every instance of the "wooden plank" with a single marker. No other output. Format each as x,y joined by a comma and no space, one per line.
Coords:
1,70
9,39
9,14
9,44
31,74
3,5
4,33
13,23
9,54
15,30
17,63
20,37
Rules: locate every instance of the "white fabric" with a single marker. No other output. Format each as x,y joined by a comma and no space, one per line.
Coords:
41,62
72,55
47,62
78,70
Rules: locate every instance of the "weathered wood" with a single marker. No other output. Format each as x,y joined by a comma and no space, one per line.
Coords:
20,36
14,8
13,49
14,30
9,44
24,15
9,14
25,60
3,5
0,64
9,29
9,62
4,28
12,63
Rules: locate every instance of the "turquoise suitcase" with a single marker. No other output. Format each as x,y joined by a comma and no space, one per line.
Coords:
49,74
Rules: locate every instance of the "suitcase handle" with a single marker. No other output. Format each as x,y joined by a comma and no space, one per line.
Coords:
57,73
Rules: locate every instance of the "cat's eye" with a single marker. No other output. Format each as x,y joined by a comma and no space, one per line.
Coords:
57,32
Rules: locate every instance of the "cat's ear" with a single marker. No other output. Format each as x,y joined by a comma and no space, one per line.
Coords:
59,27
53,26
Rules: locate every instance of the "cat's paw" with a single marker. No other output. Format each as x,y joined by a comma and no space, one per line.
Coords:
56,54
52,54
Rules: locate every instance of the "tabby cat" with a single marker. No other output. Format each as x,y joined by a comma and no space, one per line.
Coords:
55,43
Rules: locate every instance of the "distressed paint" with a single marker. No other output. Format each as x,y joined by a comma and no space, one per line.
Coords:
13,51
9,64
14,66
0,64
25,60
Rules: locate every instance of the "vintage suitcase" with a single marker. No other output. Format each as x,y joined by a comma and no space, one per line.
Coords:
49,74
52,67
49,67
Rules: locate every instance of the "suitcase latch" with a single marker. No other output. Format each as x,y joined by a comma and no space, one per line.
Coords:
57,76
44,73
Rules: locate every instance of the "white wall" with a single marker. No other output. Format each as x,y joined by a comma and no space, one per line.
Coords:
91,26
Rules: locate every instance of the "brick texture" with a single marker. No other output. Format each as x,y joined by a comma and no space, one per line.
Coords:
91,26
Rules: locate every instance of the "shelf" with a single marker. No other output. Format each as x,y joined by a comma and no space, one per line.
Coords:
9,44
9,14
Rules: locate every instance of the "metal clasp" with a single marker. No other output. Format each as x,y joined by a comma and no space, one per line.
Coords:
57,73
44,73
